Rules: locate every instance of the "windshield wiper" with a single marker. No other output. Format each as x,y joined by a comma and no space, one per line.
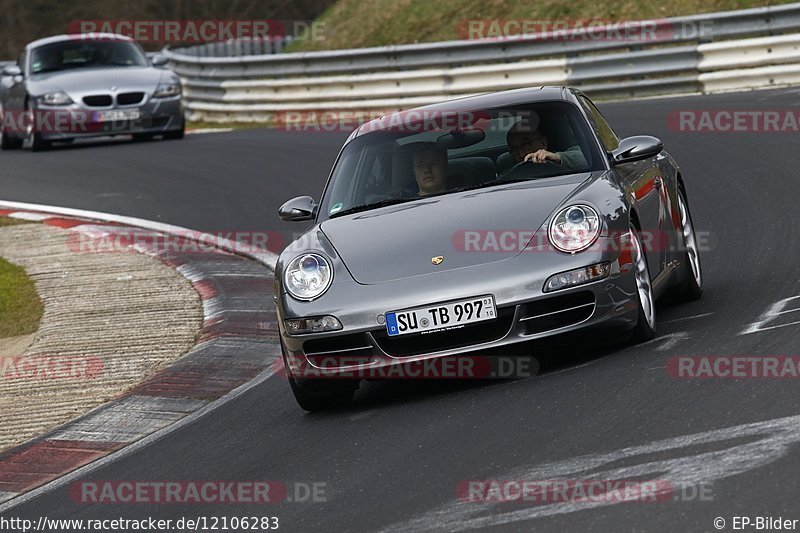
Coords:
373,205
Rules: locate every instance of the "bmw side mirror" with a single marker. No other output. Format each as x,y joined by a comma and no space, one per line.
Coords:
637,148
159,61
298,209
12,70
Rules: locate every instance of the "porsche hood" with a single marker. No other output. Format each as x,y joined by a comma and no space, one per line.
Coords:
441,233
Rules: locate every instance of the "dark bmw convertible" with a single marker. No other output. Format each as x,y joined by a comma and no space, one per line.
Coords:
479,224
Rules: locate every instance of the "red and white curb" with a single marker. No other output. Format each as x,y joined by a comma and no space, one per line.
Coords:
237,349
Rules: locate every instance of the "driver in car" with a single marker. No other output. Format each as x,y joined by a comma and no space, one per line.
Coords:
430,167
531,145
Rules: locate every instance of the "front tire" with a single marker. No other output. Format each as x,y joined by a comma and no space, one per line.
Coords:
7,142
177,134
33,139
174,135
321,394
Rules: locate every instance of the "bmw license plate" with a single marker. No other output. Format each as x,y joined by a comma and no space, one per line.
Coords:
440,317
114,115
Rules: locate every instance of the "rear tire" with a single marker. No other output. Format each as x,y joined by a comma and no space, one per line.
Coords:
691,288
645,329
33,139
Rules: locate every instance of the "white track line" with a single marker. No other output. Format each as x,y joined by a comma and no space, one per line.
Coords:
201,131
266,257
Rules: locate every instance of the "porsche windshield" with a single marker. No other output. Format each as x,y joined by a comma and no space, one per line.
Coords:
80,53
415,154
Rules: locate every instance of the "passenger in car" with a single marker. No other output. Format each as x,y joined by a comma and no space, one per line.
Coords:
531,145
430,167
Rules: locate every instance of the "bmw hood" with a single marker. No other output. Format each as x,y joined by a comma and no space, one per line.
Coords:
456,230
83,81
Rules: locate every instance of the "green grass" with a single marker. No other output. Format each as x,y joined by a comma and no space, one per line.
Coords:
6,221
356,23
197,125
20,306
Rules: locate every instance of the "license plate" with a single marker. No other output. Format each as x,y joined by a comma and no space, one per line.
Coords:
441,316
113,115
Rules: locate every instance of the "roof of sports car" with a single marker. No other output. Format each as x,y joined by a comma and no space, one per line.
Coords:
513,97
78,37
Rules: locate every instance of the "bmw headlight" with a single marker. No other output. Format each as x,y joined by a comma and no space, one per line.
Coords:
165,90
307,276
55,98
574,228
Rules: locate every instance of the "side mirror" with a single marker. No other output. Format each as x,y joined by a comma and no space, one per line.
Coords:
158,60
12,70
637,148
298,209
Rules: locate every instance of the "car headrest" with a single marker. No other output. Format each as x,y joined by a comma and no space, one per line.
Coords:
470,171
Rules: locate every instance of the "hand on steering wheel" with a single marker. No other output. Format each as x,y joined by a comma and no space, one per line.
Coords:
543,156
528,169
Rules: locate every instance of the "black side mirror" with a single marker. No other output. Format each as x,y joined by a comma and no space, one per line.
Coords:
12,70
298,209
637,148
158,60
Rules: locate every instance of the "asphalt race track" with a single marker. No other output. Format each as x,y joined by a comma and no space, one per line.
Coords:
394,459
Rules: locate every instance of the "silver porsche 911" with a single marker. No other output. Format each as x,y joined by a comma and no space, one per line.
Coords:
475,226
92,85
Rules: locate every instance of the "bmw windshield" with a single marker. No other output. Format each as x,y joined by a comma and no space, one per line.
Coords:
84,53
408,156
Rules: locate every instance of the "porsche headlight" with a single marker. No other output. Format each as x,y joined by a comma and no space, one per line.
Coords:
165,90
307,276
55,98
574,228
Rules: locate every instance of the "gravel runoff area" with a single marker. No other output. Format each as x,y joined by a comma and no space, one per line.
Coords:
110,321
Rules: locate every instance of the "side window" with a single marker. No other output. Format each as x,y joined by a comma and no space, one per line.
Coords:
21,61
601,127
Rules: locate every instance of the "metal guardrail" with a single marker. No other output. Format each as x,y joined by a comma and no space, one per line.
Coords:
716,51
244,47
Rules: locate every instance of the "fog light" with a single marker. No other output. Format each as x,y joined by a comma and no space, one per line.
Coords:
298,326
579,276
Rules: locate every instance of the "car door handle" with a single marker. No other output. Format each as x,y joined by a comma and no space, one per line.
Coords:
657,183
